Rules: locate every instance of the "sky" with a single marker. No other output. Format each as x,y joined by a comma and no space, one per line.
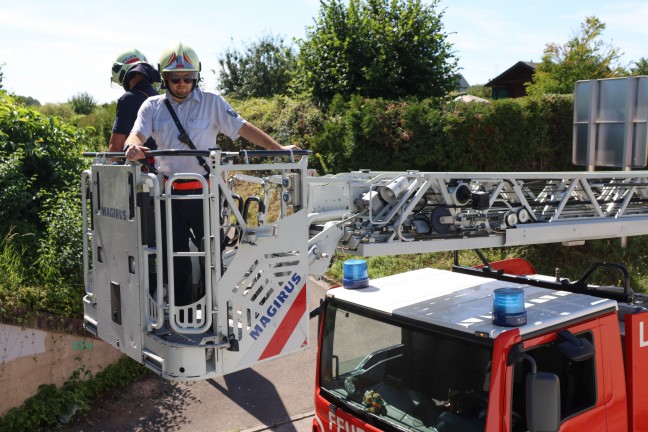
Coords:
53,50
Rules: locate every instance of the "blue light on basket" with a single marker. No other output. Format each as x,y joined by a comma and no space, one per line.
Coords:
355,274
508,307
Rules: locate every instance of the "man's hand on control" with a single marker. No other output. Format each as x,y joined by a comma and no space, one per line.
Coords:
135,152
290,147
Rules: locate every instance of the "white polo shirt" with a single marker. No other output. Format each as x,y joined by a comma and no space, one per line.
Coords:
202,114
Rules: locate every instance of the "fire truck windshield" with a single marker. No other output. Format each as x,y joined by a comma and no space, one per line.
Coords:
402,377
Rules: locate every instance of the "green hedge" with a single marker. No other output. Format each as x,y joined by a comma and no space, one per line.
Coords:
289,121
510,135
523,134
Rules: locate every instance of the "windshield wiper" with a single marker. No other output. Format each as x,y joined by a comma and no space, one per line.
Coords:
399,426
346,403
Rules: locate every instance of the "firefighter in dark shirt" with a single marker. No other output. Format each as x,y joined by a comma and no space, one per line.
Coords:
132,72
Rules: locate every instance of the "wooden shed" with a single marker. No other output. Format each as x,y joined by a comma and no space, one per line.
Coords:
510,83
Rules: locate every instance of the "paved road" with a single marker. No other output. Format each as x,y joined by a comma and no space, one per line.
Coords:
274,396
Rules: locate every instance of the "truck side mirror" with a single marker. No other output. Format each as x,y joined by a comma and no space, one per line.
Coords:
543,402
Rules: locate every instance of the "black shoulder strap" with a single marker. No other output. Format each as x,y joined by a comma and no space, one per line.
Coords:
183,137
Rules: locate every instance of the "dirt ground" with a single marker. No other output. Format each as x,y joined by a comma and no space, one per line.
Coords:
145,405
245,401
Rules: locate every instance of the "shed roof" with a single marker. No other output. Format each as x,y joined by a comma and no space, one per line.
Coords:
512,72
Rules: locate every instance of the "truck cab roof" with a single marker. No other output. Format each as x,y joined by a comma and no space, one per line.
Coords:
464,302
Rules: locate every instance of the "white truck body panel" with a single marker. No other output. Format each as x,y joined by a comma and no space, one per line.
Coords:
464,302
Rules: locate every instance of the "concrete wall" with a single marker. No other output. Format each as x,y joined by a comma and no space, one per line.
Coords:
30,357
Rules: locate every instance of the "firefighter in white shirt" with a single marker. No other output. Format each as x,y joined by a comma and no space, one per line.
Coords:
202,115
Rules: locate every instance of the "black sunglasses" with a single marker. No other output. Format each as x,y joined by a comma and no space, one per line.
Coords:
175,79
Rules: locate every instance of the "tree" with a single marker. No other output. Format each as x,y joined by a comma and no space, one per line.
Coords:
1,75
82,103
64,110
377,48
263,69
585,56
640,67
27,100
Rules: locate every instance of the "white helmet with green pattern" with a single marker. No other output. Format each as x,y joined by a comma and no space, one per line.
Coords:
124,63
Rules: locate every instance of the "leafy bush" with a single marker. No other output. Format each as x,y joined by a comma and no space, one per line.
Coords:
63,111
52,148
23,291
378,134
101,121
288,120
51,408
61,244
82,103
40,163
435,135
16,199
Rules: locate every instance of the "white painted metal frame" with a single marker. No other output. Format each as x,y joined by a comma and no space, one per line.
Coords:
522,208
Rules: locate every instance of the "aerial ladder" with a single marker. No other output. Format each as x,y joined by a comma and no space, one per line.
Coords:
259,250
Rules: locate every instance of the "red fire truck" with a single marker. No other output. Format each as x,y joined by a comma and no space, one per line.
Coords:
424,351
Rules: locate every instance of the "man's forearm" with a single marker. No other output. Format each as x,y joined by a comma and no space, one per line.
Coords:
134,139
117,141
258,137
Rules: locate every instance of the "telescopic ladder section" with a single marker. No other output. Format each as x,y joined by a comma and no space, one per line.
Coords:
389,213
